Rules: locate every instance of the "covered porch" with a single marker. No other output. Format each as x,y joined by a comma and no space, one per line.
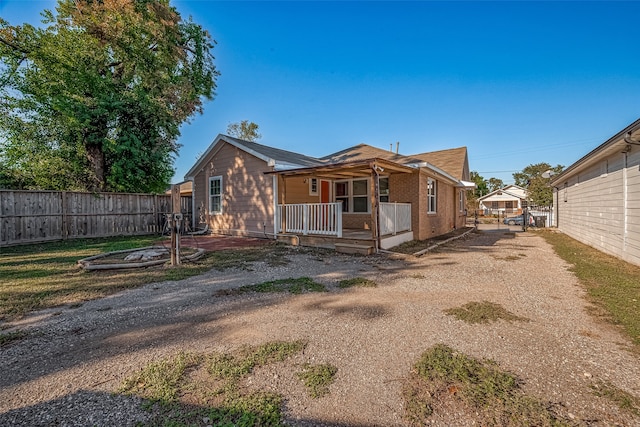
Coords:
342,204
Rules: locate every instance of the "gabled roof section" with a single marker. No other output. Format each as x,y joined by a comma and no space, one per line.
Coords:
511,190
274,157
627,136
453,160
363,152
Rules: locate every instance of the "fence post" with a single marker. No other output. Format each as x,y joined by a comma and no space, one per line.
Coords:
305,222
65,216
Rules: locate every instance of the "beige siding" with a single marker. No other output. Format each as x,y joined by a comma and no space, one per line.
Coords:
247,193
600,210
296,190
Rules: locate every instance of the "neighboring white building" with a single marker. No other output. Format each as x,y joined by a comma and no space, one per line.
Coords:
597,199
509,199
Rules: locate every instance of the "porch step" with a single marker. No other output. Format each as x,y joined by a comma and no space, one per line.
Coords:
349,248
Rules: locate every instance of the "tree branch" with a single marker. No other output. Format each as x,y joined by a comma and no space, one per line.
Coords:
13,46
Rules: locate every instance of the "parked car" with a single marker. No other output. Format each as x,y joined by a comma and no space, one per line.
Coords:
517,220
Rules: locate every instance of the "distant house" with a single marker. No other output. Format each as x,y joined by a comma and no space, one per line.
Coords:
509,199
597,199
358,194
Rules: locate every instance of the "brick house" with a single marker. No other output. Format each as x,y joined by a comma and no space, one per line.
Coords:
361,193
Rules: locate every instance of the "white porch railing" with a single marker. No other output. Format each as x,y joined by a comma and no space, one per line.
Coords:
310,218
394,218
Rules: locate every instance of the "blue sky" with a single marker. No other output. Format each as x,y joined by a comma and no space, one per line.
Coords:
517,83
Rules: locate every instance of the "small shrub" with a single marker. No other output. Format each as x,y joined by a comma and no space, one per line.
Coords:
482,312
318,378
444,375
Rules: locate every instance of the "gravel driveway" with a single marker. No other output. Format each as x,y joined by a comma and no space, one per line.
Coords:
64,372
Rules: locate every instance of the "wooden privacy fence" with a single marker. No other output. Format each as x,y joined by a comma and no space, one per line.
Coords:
38,216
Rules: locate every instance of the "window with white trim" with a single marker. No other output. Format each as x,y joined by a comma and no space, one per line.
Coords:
313,186
215,195
354,195
461,200
431,195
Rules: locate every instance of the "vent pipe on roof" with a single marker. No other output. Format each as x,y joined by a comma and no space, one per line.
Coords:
397,146
391,147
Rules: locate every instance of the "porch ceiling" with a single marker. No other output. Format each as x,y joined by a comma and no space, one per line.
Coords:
360,168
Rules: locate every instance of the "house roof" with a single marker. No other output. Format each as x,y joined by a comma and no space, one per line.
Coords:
452,160
626,137
506,190
274,157
363,152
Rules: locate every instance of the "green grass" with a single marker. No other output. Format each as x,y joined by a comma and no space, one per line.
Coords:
444,378
290,285
47,275
612,285
218,395
482,312
625,401
7,338
160,381
357,281
318,378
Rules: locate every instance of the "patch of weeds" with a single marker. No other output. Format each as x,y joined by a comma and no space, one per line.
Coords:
445,378
483,312
625,401
7,338
216,399
511,257
612,284
292,286
160,381
318,378
357,281
230,367
418,276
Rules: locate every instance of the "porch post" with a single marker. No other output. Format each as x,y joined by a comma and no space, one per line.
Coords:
375,205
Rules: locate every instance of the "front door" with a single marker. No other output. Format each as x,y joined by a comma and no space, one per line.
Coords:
325,193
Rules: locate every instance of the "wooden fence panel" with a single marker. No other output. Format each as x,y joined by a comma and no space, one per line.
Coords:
38,216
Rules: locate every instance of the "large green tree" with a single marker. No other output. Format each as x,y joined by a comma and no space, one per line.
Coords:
94,98
538,189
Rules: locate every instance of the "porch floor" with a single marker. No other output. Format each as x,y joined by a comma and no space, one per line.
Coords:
349,236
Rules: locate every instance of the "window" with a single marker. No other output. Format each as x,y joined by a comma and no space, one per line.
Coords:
354,195
342,194
461,200
383,188
313,187
360,195
431,195
508,204
215,195
495,205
